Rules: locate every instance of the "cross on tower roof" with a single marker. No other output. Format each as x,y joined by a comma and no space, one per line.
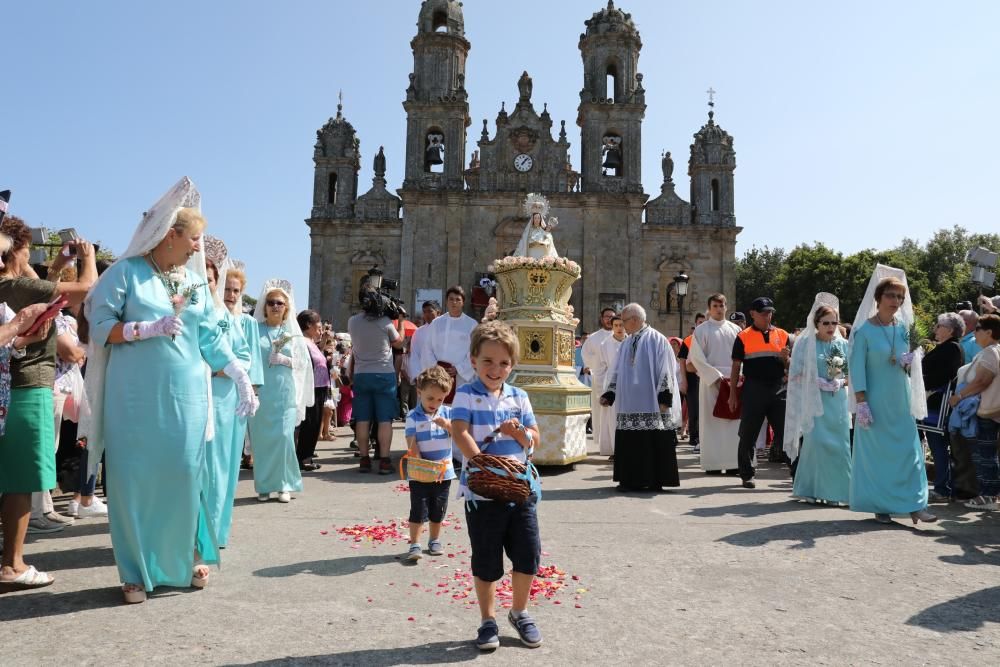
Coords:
711,96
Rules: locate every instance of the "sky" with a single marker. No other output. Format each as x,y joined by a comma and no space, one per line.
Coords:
855,123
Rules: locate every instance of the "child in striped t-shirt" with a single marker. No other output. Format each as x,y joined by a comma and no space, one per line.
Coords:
428,436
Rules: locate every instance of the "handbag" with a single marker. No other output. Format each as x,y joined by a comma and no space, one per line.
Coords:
721,409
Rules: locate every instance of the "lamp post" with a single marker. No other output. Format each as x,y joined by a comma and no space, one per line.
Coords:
681,287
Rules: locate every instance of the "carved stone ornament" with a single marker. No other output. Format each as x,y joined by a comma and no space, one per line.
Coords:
523,139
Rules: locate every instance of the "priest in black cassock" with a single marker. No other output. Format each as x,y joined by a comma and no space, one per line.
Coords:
643,387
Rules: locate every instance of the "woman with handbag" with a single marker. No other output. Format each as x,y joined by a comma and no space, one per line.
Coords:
977,469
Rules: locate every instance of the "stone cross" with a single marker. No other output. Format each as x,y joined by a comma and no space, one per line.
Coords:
711,96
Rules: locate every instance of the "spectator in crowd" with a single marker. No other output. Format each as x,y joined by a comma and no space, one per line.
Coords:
309,429
968,342
940,368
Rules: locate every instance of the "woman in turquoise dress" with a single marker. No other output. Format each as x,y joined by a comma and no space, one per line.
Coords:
152,330
817,410
224,450
888,475
287,375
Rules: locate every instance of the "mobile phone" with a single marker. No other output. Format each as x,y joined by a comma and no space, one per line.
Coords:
67,236
39,235
55,306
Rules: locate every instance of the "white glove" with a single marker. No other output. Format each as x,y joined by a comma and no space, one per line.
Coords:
864,415
832,386
279,359
248,401
906,359
170,325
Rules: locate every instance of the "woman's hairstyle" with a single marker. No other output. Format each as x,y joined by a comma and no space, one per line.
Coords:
210,266
281,293
886,284
238,275
455,289
307,318
5,243
990,323
497,332
822,312
435,376
954,322
189,220
718,297
18,233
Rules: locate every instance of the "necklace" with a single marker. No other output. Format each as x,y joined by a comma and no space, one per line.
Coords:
889,339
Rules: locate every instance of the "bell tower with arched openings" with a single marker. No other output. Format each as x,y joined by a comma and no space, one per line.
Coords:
437,105
612,103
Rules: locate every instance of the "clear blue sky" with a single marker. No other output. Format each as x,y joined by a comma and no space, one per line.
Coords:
855,123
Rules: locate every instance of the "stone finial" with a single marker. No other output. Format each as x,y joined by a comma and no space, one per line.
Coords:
486,133
562,130
340,105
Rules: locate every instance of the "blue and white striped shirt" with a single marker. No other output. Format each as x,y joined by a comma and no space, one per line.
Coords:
433,441
484,412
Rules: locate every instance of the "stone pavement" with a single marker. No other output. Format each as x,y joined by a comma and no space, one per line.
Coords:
710,574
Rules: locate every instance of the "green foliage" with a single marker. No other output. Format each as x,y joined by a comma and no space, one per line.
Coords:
937,273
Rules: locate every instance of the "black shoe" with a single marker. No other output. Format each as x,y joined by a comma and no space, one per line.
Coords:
748,484
354,444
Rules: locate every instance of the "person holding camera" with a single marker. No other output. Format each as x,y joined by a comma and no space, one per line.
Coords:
373,374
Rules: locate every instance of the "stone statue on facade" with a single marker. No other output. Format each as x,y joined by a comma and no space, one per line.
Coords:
668,167
536,241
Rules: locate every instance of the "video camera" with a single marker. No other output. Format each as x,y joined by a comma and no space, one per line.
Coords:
376,298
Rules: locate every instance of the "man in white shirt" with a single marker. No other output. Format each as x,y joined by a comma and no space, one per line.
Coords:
609,358
592,363
446,341
711,353
431,309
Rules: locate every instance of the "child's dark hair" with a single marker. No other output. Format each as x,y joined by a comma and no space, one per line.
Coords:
434,376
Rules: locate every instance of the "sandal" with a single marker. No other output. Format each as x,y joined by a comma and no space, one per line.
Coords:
987,503
134,593
30,578
199,580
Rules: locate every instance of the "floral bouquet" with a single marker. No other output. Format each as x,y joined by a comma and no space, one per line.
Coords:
180,298
836,365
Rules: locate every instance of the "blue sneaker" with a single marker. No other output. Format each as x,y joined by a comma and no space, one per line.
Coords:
488,638
526,629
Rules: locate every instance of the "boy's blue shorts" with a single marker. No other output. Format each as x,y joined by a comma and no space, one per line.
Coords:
496,527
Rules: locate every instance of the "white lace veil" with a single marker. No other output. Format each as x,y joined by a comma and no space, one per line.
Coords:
867,310
302,368
156,222
805,403
216,251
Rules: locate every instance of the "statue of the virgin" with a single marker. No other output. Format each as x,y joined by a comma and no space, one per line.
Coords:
536,241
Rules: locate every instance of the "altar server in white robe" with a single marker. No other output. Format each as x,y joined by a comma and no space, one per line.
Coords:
592,361
609,357
445,341
711,353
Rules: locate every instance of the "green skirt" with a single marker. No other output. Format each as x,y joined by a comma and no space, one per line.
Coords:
27,448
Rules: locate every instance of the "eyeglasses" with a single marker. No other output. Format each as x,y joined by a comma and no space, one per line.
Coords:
895,295
276,304
828,323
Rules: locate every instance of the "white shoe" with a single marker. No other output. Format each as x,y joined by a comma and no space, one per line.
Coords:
284,497
73,509
95,508
263,497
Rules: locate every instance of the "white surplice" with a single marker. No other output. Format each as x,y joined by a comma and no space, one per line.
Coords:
447,339
712,354
606,436
591,353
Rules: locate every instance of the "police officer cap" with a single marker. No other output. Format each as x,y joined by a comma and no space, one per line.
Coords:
737,317
762,305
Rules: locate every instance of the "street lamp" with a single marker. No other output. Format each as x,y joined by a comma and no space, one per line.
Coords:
681,287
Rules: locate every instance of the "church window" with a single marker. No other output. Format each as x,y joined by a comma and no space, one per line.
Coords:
440,22
610,83
331,190
715,194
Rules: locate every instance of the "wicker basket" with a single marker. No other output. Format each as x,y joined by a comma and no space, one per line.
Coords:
422,470
501,478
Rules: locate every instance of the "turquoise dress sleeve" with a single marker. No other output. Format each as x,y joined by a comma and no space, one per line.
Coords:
108,301
856,362
213,341
251,333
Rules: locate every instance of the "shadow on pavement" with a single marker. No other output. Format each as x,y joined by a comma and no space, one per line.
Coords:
425,654
805,533
333,567
76,530
40,604
963,614
751,510
72,559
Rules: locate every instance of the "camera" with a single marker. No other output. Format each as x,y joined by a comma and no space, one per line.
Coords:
963,305
376,296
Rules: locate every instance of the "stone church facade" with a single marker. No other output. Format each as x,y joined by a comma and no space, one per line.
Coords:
451,219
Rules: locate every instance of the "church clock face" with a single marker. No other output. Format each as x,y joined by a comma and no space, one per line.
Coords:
523,162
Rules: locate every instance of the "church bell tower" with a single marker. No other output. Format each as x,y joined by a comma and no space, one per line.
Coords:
711,167
437,106
612,103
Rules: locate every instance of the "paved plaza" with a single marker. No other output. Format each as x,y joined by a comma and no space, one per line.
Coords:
710,574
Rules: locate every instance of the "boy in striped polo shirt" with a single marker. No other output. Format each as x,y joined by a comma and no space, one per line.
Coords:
489,414
428,436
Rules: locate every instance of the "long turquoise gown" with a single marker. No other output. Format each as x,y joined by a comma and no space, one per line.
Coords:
155,413
888,474
224,451
824,468
272,429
